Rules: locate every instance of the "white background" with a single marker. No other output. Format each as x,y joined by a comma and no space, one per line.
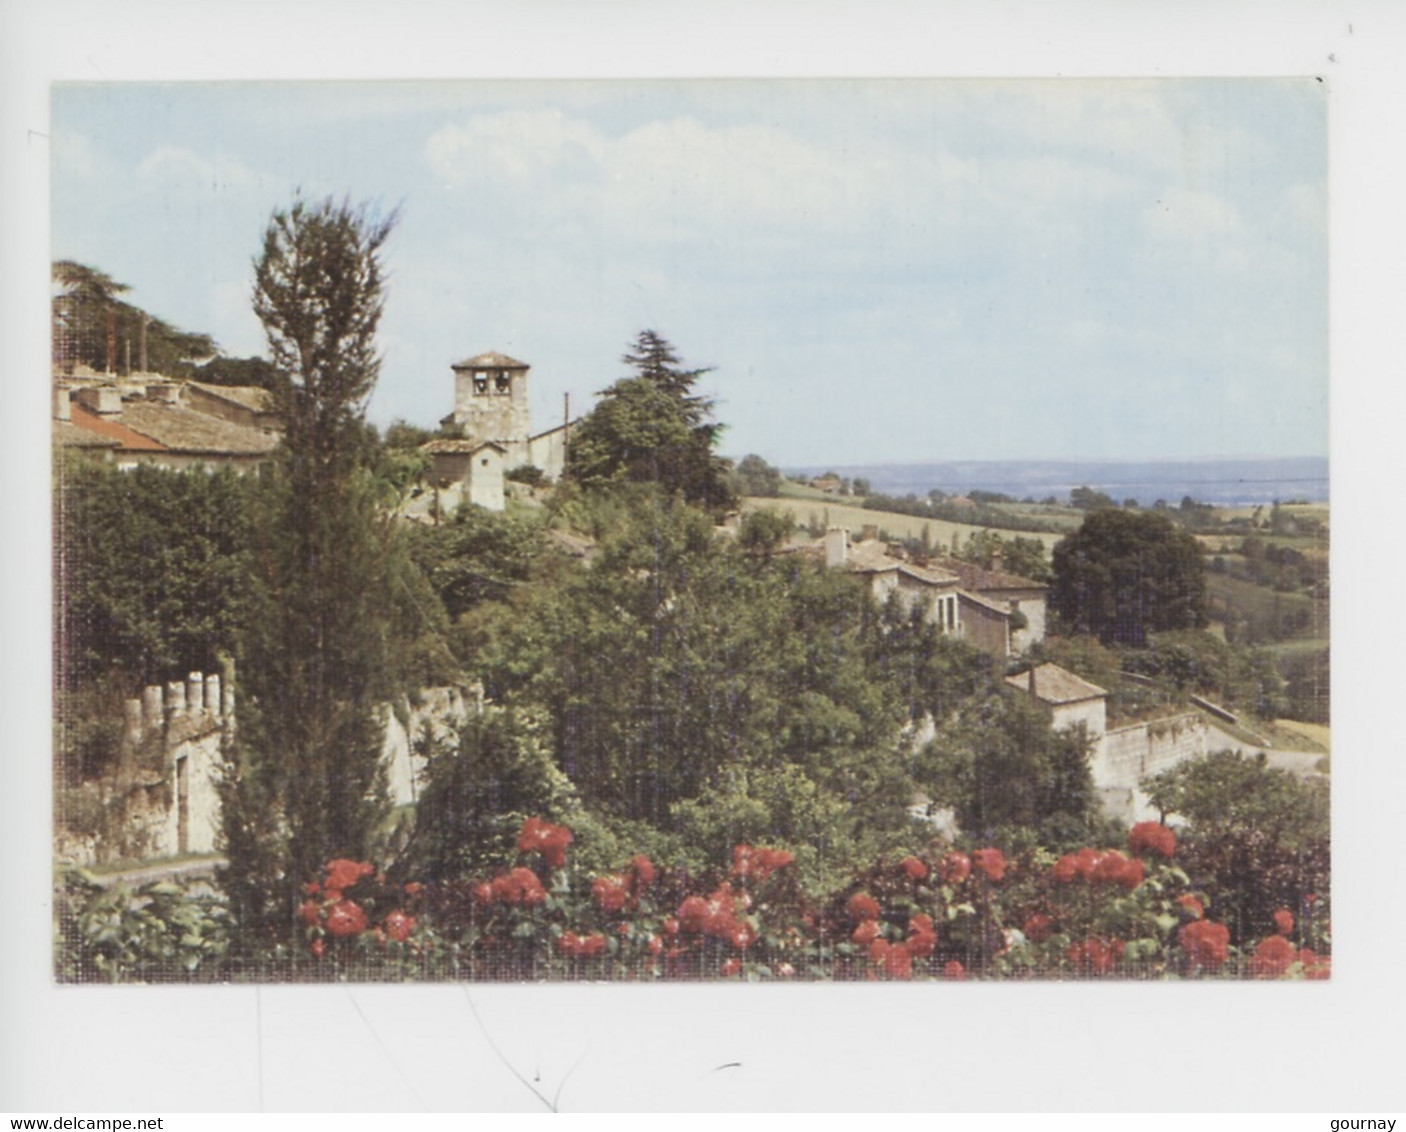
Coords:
1334,1047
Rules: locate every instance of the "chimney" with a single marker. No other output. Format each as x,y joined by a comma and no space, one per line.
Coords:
1034,695
997,561
836,546
105,400
62,407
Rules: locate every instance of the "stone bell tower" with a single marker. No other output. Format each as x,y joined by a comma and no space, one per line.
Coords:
490,403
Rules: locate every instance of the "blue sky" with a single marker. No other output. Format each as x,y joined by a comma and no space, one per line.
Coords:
879,270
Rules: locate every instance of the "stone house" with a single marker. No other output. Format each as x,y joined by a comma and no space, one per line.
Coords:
1015,593
150,419
467,471
983,623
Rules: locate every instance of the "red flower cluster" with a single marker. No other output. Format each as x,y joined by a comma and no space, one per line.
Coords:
398,926
895,960
862,906
343,874
1151,838
1272,958
574,946
915,868
520,887
867,932
954,970
1191,906
1038,928
1099,867
345,918
611,894
749,863
717,917
1206,944
922,935
538,836
992,862
1096,956
1284,921
955,868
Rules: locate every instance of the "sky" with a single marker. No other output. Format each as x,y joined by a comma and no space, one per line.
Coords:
877,270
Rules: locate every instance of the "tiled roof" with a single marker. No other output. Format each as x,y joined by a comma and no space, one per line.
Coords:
185,430
253,397
127,439
490,360
872,557
984,602
458,444
979,578
68,435
1056,685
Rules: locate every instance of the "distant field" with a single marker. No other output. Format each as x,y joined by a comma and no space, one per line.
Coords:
1262,603
823,508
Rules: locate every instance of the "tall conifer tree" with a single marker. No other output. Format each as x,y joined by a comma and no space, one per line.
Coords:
317,662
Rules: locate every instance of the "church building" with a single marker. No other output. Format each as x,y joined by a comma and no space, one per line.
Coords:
493,419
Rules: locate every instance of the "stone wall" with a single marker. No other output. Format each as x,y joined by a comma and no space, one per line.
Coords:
161,800
1127,755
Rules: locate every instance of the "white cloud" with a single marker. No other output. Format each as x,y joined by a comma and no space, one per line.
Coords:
180,169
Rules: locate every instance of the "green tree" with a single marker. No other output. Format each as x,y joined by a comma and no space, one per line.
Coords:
1001,767
93,326
149,571
325,637
1124,574
754,476
653,428
1087,499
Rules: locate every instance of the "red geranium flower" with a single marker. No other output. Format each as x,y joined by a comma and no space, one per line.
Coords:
398,926
921,943
992,862
867,932
1114,868
538,836
346,918
414,888
1272,957
915,868
1150,837
1191,905
955,868
483,893
732,967
671,925
1038,928
1205,943
862,906
898,962
520,886
921,922
742,936
610,894
594,944
758,863
954,970
310,913
312,888
1284,921
342,874
693,914
1066,869
318,947
1095,956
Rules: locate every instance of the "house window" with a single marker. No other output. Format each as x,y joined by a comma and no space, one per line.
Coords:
504,383
484,462
480,383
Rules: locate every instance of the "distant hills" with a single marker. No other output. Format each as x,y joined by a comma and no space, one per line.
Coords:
1226,483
